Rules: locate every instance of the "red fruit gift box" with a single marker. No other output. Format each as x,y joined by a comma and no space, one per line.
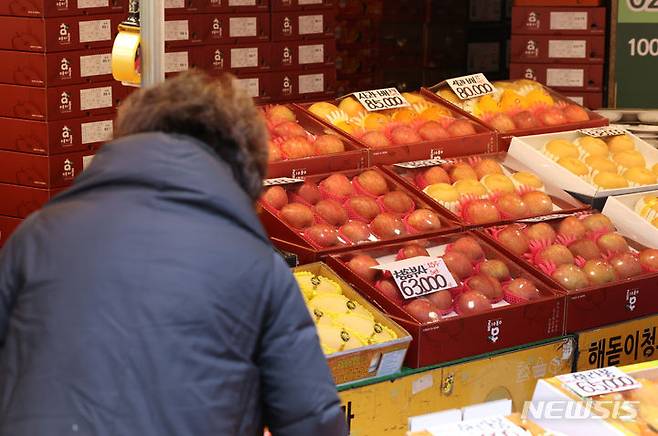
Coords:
479,301
337,212
607,277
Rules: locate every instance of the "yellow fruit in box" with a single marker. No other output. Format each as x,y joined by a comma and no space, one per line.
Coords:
447,94
404,115
434,113
538,97
333,337
510,101
413,98
346,127
361,325
351,106
310,284
503,85
375,121
382,334
322,109
523,83
332,304
486,105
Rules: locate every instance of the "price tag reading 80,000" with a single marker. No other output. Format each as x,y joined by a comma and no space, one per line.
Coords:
424,277
381,99
467,87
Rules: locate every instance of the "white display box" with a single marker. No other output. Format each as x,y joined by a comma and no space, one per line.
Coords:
621,210
528,150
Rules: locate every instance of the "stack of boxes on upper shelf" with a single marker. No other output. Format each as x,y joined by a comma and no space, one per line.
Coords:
59,97
280,50
561,46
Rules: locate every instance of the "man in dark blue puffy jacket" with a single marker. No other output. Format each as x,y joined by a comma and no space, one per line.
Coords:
147,301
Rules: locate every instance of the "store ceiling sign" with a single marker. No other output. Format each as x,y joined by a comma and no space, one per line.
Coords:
599,381
603,132
473,86
420,276
381,99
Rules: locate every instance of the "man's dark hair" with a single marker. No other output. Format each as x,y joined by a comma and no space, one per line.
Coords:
213,110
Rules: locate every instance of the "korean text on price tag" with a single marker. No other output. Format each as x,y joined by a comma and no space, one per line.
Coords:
602,132
381,99
599,381
467,87
281,181
492,426
421,163
424,276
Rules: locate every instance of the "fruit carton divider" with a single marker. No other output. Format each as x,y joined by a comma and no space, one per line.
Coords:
484,141
621,210
505,138
367,362
288,238
597,306
37,171
354,157
528,151
562,201
20,201
458,337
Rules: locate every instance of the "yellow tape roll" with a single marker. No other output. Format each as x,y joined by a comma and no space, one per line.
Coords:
124,57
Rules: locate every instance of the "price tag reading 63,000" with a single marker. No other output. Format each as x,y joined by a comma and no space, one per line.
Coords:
424,277
381,99
467,87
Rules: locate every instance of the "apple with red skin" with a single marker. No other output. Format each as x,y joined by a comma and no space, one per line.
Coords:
526,120
486,285
412,250
404,135
612,243
523,288
389,289
541,232
324,235
422,310
328,144
365,207
570,277
574,113
458,264
432,176
424,220
276,197
288,129
514,239
572,227
432,131
626,265
556,254
585,248
361,265
332,212
513,206
470,247
502,123
297,147
552,117
538,203
297,215
598,223
337,185
387,225
649,259
356,231
461,128
485,167
441,300
599,272
472,302
375,139
278,114
481,212
372,182
309,193
397,202
274,154
495,268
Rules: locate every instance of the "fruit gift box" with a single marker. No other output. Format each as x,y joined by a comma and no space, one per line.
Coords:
424,130
593,168
522,107
484,189
336,212
495,304
636,216
300,145
360,342
607,277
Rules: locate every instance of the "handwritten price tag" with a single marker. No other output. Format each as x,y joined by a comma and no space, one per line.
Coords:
541,219
599,381
493,426
425,275
281,181
473,86
603,132
421,163
381,99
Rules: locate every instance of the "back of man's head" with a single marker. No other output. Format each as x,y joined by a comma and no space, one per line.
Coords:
213,110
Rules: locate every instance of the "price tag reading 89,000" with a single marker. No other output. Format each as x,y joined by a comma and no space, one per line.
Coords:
381,99
424,277
467,87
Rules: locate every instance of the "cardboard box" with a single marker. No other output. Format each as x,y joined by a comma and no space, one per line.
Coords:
482,141
369,362
576,77
620,344
20,201
558,21
557,49
239,6
598,305
289,239
295,25
590,100
56,137
258,85
455,337
312,84
354,156
50,8
243,58
621,209
303,54
385,408
7,227
64,102
562,202
37,171
528,150
305,5
185,29
58,34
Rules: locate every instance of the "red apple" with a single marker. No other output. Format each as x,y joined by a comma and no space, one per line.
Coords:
525,120
309,193
389,289
397,202
513,238
502,123
496,269
458,264
599,272
649,259
361,265
372,182
626,265
424,220
541,232
387,225
337,185
470,247
512,206
288,129
297,147
432,176
332,212
570,277
297,215
523,288
327,144
432,131
585,248
575,113
356,231
461,128
422,310
412,250
572,227
276,197
324,235
365,207
487,286
481,212
612,243
472,302
556,254
375,139
404,135
441,300
598,223
552,117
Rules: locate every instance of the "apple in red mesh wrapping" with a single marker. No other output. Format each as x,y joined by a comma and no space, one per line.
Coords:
389,289
538,203
461,128
585,248
278,114
572,227
570,277
442,300
324,235
431,176
387,225
599,272
309,193
626,265
649,259
458,264
397,202
556,254
365,207
404,135
470,247
487,286
361,266
541,232
463,171
552,117
275,197
422,310
372,182
523,288
337,185
332,212
514,239
575,113
424,220
502,123
376,140
327,144
288,129
472,302
356,231
432,131
513,206
496,269
297,215
297,147
612,243
525,120
274,154
485,167
598,223
412,250
481,212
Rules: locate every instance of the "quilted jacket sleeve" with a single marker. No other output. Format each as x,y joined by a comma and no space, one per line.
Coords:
297,388
9,283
